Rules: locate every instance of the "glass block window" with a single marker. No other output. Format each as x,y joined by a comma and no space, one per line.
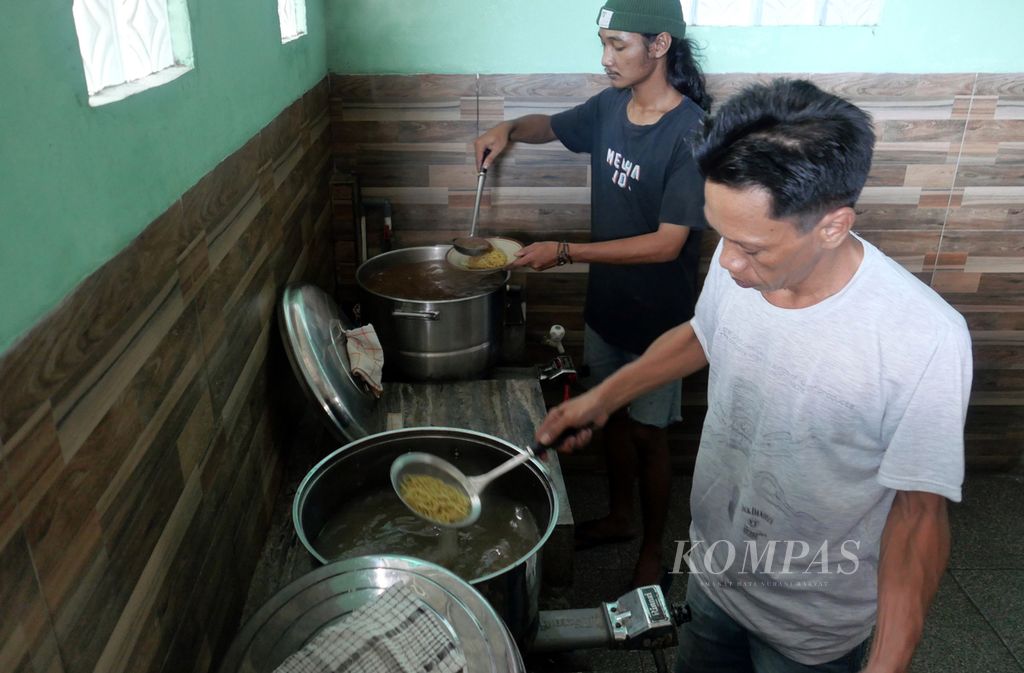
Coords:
782,12
128,46
293,19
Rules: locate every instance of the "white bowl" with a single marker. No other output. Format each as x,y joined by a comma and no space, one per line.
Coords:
507,245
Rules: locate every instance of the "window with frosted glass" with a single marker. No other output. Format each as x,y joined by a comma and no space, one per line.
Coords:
782,12
130,45
292,14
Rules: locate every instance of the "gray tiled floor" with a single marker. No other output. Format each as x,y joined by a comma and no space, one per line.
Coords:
975,625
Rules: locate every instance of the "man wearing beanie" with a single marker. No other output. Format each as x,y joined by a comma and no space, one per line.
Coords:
646,219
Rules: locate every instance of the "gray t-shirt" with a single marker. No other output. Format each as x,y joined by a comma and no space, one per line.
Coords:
816,416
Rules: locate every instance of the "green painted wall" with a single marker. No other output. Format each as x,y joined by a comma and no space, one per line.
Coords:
541,36
77,183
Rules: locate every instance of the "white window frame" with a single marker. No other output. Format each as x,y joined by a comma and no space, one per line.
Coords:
773,13
128,46
291,15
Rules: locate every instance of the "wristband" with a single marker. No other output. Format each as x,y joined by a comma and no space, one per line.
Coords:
563,257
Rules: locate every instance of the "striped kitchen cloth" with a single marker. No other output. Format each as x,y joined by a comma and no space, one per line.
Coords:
396,633
366,357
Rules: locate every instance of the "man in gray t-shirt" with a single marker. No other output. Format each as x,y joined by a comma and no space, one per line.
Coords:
837,393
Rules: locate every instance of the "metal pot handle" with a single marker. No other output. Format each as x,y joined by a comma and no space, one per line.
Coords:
418,315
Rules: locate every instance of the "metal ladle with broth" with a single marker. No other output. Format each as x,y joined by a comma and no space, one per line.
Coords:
439,492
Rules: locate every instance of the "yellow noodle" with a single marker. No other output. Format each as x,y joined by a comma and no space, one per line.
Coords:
433,499
495,259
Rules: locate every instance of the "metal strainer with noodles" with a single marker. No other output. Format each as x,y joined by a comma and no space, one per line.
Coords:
436,490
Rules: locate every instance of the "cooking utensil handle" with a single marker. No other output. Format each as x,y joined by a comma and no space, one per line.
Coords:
478,483
338,339
476,205
540,449
418,315
479,192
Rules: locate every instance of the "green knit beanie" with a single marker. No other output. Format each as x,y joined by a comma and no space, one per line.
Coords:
643,16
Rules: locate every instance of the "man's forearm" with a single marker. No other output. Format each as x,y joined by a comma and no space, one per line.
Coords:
532,129
663,245
674,355
914,553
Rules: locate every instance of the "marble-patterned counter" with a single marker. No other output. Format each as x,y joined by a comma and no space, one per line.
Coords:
508,408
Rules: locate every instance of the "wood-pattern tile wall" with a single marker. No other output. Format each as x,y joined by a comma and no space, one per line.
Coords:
945,198
142,421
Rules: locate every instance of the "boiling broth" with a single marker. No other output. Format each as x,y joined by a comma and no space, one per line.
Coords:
380,524
431,280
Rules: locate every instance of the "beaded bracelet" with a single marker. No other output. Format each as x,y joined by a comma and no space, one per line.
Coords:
563,256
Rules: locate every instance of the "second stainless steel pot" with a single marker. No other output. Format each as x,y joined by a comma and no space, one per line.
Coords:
440,339
364,465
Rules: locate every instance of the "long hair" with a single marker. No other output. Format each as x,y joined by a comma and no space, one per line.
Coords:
684,73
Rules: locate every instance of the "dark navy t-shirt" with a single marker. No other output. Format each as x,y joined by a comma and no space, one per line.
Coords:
641,176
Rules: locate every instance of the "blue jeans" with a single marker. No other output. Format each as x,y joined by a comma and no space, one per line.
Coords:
712,642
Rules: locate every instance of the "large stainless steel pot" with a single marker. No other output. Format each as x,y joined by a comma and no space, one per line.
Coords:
433,340
364,465
293,616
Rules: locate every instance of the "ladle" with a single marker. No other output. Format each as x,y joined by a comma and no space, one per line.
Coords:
473,245
427,464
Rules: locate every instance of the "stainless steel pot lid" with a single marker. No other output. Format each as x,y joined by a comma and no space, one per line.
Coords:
296,613
311,327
